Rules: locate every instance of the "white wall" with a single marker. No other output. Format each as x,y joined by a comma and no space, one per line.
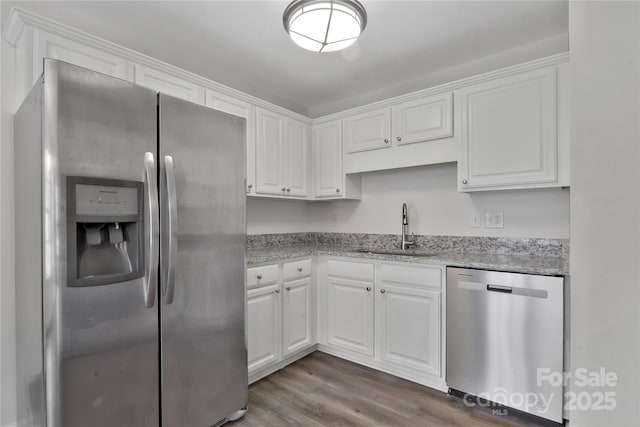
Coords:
435,207
266,216
7,312
605,229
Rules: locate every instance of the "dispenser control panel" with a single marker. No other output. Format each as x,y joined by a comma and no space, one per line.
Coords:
106,200
105,231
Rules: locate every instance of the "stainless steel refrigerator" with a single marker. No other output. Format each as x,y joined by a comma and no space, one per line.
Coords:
130,256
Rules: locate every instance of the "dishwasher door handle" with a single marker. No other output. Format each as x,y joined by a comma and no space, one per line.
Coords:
497,288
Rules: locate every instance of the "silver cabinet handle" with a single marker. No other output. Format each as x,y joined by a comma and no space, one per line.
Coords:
277,291
152,253
337,190
171,230
283,189
386,140
398,139
368,288
249,187
259,276
382,291
288,190
464,181
288,288
300,269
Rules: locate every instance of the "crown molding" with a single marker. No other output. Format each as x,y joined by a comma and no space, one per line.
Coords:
20,18
15,26
536,64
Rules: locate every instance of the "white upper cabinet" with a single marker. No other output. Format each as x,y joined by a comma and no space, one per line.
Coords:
327,160
418,120
269,153
419,131
368,131
423,119
168,84
228,104
509,132
54,47
282,155
296,153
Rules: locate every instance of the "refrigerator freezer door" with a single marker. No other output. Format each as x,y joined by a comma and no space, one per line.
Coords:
100,343
203,348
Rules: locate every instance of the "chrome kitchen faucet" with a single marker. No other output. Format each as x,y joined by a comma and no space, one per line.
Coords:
406,243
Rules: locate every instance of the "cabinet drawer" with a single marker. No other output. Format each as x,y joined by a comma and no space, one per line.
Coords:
296,269
260,276
350,270
414,275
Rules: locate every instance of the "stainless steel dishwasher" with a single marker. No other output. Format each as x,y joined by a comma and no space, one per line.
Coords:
505,340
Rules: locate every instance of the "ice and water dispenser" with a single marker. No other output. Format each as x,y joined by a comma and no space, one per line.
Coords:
105,231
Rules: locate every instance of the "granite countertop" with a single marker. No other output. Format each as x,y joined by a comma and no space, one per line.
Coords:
544,265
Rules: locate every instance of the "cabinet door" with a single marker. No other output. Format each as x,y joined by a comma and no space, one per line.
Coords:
297,320
509,132
408,327
350,315
423,119
368,131
269,153
263,326
327,160
228,104
296,159
168,84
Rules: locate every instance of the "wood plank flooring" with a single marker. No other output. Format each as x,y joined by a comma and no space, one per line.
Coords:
322,390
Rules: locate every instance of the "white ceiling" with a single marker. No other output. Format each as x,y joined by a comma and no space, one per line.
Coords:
242,44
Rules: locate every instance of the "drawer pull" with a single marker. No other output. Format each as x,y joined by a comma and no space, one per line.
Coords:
368,288
382,291
259,276
288,288
277,291
300,269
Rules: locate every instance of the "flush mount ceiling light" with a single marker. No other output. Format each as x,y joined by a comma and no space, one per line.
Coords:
324,25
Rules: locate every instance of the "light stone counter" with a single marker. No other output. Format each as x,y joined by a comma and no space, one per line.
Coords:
519,263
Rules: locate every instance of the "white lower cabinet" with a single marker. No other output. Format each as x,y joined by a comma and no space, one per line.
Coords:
408,327
280,315
385,315
297,318
263,326
350,315
396,306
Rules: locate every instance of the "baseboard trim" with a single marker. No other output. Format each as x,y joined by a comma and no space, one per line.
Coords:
422,379
260,374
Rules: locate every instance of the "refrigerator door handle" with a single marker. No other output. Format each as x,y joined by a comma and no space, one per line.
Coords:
172,231
152,248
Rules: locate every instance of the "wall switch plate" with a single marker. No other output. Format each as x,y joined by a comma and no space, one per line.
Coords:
494,220
476,219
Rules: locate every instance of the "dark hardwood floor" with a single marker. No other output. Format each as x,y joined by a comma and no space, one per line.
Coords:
322,390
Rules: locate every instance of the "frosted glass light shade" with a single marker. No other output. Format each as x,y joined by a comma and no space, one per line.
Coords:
324,25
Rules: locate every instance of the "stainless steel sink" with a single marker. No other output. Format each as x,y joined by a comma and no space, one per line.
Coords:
394,252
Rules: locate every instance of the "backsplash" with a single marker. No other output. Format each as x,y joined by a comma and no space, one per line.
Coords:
495,245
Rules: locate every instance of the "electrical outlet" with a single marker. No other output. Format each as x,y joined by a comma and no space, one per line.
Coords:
476,219
494,220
